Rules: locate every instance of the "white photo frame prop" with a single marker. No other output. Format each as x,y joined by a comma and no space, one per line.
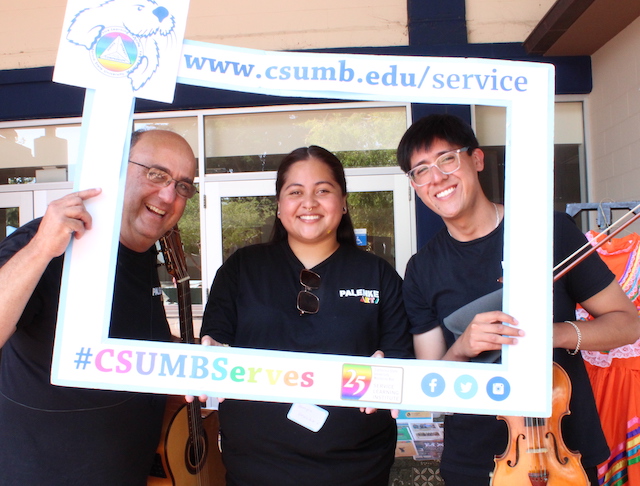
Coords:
85,357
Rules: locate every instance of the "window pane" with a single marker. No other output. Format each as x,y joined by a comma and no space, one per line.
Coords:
568,152
10,221
373,213
246,221
492,177
566,174
38,154
361,137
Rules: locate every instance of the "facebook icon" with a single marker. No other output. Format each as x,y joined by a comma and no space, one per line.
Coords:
433,385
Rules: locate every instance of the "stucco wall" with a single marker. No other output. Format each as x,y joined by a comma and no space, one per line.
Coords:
30,31
614,116
295,24
503,20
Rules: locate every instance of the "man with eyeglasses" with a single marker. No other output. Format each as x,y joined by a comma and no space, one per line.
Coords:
459,272
58,435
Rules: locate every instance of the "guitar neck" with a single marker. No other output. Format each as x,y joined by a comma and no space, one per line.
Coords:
194,409
185,311
188,456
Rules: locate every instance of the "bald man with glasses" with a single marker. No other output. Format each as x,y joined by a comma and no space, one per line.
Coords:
59,435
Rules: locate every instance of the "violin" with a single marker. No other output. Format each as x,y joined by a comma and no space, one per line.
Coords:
536,455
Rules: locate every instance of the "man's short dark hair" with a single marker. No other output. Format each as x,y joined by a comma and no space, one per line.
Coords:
421,135
135,136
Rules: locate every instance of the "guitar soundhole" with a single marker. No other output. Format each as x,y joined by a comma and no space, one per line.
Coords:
196,453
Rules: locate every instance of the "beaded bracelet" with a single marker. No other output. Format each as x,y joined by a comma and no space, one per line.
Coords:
575,351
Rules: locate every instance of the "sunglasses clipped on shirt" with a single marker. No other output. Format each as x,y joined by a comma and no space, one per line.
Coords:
308,302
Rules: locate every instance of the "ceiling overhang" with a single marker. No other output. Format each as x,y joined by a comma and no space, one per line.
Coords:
580,27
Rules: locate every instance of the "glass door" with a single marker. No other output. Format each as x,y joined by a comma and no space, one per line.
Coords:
242,212
47,193
16,209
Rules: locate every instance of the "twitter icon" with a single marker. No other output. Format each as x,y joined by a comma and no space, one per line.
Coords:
466,386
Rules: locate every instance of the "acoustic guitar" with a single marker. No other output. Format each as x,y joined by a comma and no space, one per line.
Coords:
188,453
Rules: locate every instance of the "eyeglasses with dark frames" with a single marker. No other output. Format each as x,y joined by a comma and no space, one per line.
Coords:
447,164
162,178
308,303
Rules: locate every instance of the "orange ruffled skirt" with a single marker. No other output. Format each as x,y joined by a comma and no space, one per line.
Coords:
617,392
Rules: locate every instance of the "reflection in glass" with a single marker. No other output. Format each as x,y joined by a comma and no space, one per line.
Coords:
567,175
38,154
257,142
249,220
569,157
373,212
246,221
10,220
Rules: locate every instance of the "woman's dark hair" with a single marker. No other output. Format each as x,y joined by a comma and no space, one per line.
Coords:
345,234
421,134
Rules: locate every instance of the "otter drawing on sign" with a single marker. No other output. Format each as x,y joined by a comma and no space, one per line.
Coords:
122,37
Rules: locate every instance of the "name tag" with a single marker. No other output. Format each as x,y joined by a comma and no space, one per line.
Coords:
311,417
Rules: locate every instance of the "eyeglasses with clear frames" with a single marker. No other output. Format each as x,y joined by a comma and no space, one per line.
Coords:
447,164
158,176
308,303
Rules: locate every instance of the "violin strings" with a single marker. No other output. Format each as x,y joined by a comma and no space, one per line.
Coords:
535,445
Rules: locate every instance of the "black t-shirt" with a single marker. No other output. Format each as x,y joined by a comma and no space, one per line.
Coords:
75,435
253,304
447,274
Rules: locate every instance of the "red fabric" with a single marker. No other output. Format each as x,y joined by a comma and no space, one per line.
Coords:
615,376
